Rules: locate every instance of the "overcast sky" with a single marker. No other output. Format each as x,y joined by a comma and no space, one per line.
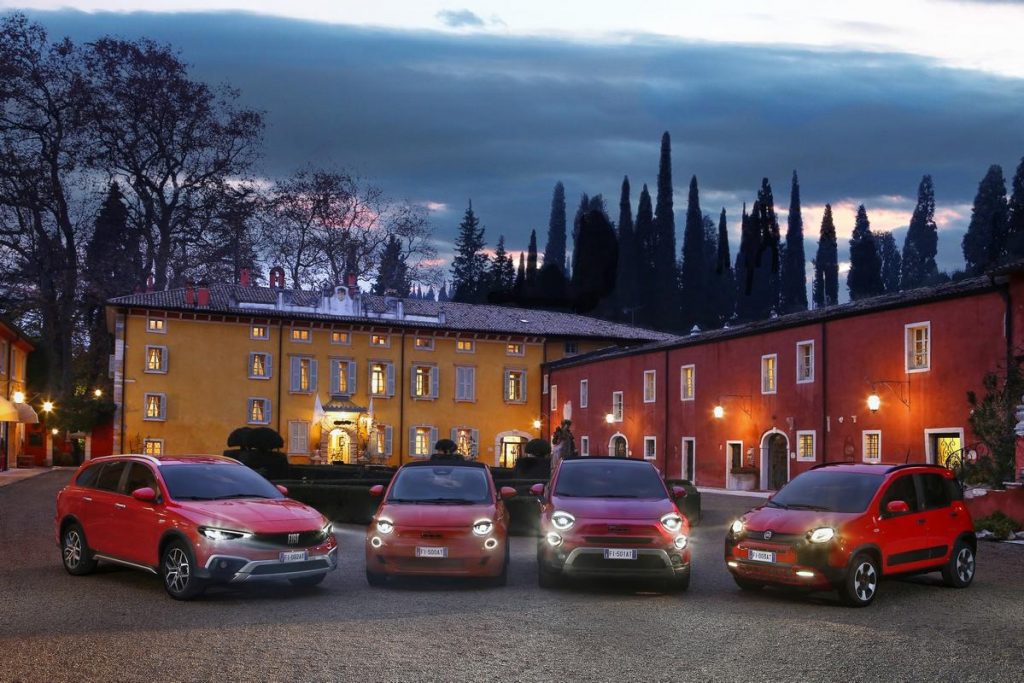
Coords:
495,101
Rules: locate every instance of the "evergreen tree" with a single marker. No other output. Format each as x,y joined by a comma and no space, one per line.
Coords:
1015,217
469,267
693,277
826,263
430,294
625,281
746,264
723,283
865,277
393,271
922,241
889,253
594,269
663,310
519,286
443,294
583,207
794,275
554,252
985,240
502,271
641,308
531,263
768,283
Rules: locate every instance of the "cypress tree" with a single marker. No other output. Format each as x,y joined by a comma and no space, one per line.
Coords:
502,271
922,241
865,277
984,242
430,293
723,284
1015,216
519,287
554,251
393,272
664,306
768,284
646,289
746,263
693,276
583,207
794,276
593,272
826,263
625,281
442,295
469,267
889,253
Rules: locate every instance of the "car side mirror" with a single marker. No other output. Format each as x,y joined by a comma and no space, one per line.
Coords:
678,492
282,489
146,494
537,489
377,491
507,492
896,507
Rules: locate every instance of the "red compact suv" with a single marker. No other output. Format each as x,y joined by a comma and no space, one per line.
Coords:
843,526
611,517
193,520
439,517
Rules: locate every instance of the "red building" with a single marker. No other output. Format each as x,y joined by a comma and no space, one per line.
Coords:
883,380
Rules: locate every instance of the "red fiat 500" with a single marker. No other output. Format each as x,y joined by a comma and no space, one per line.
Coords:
439,518
844,526
193,520
611,517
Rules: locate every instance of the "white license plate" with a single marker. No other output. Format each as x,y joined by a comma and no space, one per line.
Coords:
619,554
293,556
423,551
760,556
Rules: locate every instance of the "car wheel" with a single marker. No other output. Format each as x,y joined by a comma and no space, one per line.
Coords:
861,583
959,571
502,578
376,578
747,585
75,551
680,583
178,569
308,581
546,577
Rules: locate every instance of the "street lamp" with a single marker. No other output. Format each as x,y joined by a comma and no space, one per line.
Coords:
98,393
18,396
47,406
55,431
536,424
874,403
609,418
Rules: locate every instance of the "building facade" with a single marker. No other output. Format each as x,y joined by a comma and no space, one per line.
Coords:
883,380
342,376
15,413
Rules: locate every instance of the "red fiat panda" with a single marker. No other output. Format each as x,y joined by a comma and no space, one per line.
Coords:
844,526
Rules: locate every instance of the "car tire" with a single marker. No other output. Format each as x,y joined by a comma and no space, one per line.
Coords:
860,585
747,585
376,579
680,583
502,578
178,571
74,550
959,571
546,577
308,581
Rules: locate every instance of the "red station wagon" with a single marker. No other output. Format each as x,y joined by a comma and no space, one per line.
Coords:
194,520
844,526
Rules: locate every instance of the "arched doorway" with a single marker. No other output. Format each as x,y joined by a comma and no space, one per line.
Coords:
509,447
774,460
339,447
618,447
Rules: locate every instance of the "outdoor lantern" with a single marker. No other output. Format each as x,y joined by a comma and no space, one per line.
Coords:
874,402
47,406
55,431
609,418
98,393
19,396
536,424
719,412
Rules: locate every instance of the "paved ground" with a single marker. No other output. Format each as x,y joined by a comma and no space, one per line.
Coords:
118,624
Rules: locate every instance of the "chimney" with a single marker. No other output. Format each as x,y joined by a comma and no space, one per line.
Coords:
244,278
190,294
203,295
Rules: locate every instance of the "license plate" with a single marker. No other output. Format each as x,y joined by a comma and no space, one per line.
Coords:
760,556
293,556
619,554
422,551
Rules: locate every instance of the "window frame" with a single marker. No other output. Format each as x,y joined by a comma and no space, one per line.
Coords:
249,402
347,341
433,379
472,393
653,374
775,374
518,345
416,343
585,445
553,393
314,380
506,377
470,342
413,451
653,440
307,330
621,414
384,343
809,379
692,367
163,360
162,417
267,365
388,370
728,454
252,332
864,434
150,319
571,348
907,330
813,433
584,393
158,442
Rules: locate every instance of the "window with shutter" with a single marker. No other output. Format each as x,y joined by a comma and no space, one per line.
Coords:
155,406
298,437
465,383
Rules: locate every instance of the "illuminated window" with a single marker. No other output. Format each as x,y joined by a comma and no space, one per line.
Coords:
158,325
650,447
259,366
687,382
514,349
554,397
156,359
421,441
155,407
259,411
515,386
343,377
805,362
918,347
465,383
259,332
303,375
466,441
153,446
384,439
768,378
380,340
805,446
382,379
465,345
872,444
341,338
584,392
617,406
423,343
424,378
302,335
650,386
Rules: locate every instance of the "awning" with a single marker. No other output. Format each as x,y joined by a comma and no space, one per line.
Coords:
8,411
27,414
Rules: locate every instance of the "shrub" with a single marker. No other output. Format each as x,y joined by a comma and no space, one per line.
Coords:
538,448
239,438
999,524
445,446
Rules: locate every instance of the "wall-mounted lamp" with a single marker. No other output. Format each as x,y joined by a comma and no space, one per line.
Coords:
718,412
55,431
18,397
609,418
874,403
536,424
98,393
899,388
47,406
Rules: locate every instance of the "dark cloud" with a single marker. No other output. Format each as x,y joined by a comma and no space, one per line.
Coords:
459,18
442,118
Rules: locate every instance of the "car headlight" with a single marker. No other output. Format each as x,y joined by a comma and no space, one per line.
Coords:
385,526
327,530
216,534
562,521
672,522
736,527
554,539
681,542
822,535
482,527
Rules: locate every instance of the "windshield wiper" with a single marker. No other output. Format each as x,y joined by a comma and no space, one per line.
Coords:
617,495
455,501
239,495
777,505
808,506
191,498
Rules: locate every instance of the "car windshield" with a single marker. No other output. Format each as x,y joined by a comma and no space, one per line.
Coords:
216,482
609,479
829,491
440,484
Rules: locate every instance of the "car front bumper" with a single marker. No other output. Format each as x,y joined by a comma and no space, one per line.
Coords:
803,565
589,562
466,555
234,569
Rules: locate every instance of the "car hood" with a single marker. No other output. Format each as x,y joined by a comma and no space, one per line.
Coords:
782,521
435,515
613,508
256,515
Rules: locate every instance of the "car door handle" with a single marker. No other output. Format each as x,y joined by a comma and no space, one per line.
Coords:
87,499
953,514
120,506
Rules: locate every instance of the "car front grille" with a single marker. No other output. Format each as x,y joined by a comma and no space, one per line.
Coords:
619,540
305,538
781,539
289,567
596,561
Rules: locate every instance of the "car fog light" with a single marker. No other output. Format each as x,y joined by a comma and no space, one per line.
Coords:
376,542
554,539
491,543
822,535
805,574
733,564
681,542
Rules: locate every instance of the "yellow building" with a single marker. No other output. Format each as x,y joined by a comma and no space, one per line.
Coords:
341,375
14,411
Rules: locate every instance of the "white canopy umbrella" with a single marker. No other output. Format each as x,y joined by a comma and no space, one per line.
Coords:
8,411
26,414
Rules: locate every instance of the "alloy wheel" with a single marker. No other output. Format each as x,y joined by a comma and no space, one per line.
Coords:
177,571
72,548
865,580
965,564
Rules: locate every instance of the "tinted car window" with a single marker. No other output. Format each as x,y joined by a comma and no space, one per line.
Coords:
110,476
830,490
936,494
440,485
140,476
87,477
216,482
609,479
901,489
